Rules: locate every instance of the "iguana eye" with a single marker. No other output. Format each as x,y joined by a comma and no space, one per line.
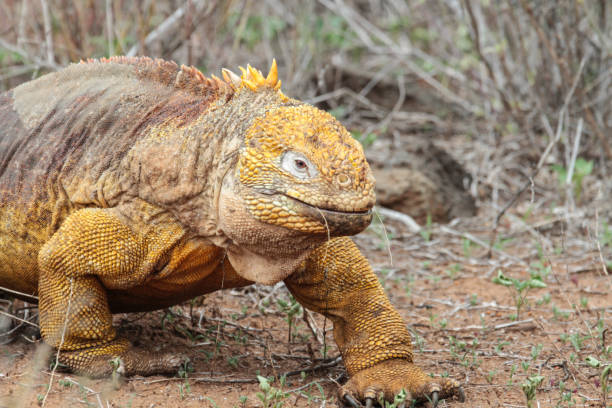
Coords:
298,165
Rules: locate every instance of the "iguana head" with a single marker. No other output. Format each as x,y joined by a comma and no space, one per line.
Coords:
299,168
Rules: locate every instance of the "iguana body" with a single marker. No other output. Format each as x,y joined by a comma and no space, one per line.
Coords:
133,184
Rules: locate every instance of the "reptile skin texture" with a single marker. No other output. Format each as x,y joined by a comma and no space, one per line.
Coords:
132,184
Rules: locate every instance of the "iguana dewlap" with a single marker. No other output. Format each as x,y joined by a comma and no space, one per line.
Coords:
131,184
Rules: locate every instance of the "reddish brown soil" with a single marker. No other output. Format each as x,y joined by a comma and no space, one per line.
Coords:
444,289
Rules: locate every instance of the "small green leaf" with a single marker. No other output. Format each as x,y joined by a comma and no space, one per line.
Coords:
502,279
593,362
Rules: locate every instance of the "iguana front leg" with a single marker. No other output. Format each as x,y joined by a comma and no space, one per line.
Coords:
337,281
91,252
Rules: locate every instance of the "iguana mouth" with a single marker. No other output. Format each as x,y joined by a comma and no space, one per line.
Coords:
337,223
331,210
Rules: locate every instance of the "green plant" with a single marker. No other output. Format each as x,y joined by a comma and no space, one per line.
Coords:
601,336
399,399
577,340
233,361
453,270
243,400
605,236
456,346
184,389
366,140
500,346
604,376
212,402
467,247
535,351
418,340
582,168
502,242
183,372
529,386
115,375
512,372
291,309
544,300
425,232
271,397
409,283
459,350
566,396
525,366
521,287
558,313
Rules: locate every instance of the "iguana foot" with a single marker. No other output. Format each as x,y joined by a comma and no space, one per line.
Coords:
119,357
387,379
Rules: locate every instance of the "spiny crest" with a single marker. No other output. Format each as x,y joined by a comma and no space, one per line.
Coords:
192,80
185,78
253,78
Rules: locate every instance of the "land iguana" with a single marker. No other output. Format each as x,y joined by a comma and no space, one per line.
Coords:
133,184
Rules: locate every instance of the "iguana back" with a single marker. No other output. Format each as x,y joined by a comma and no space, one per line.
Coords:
63,138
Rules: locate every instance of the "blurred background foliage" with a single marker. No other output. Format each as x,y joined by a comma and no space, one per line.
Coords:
519,73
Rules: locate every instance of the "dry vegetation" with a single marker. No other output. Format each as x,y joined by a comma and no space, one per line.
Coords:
515,303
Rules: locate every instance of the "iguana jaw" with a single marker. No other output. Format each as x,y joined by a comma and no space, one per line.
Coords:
282,208
337,222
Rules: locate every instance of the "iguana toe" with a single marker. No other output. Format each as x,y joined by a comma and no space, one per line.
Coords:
398,381
119,357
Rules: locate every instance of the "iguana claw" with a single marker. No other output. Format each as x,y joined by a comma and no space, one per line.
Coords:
351,401
434,399
460,394
390,377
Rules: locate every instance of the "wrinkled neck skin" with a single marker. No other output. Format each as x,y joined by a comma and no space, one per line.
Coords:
190,171
261,252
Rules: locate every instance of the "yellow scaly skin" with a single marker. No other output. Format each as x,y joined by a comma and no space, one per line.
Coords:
142,184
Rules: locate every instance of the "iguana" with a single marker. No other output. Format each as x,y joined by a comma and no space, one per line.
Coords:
133,184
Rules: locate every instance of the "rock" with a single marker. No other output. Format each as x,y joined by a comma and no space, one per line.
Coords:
419,179
410,192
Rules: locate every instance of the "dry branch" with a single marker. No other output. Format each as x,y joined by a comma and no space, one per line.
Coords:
173,23
48,32
28,57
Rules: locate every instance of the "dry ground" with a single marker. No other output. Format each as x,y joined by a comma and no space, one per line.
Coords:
442,281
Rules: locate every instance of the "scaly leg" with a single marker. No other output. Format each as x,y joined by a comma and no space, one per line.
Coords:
91,252
337,281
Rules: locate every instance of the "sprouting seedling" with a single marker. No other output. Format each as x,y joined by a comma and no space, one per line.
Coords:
521,287
271,397
400,398
426,231
530,385
292,309
604,376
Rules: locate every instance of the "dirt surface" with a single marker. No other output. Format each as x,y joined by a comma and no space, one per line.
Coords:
464,326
